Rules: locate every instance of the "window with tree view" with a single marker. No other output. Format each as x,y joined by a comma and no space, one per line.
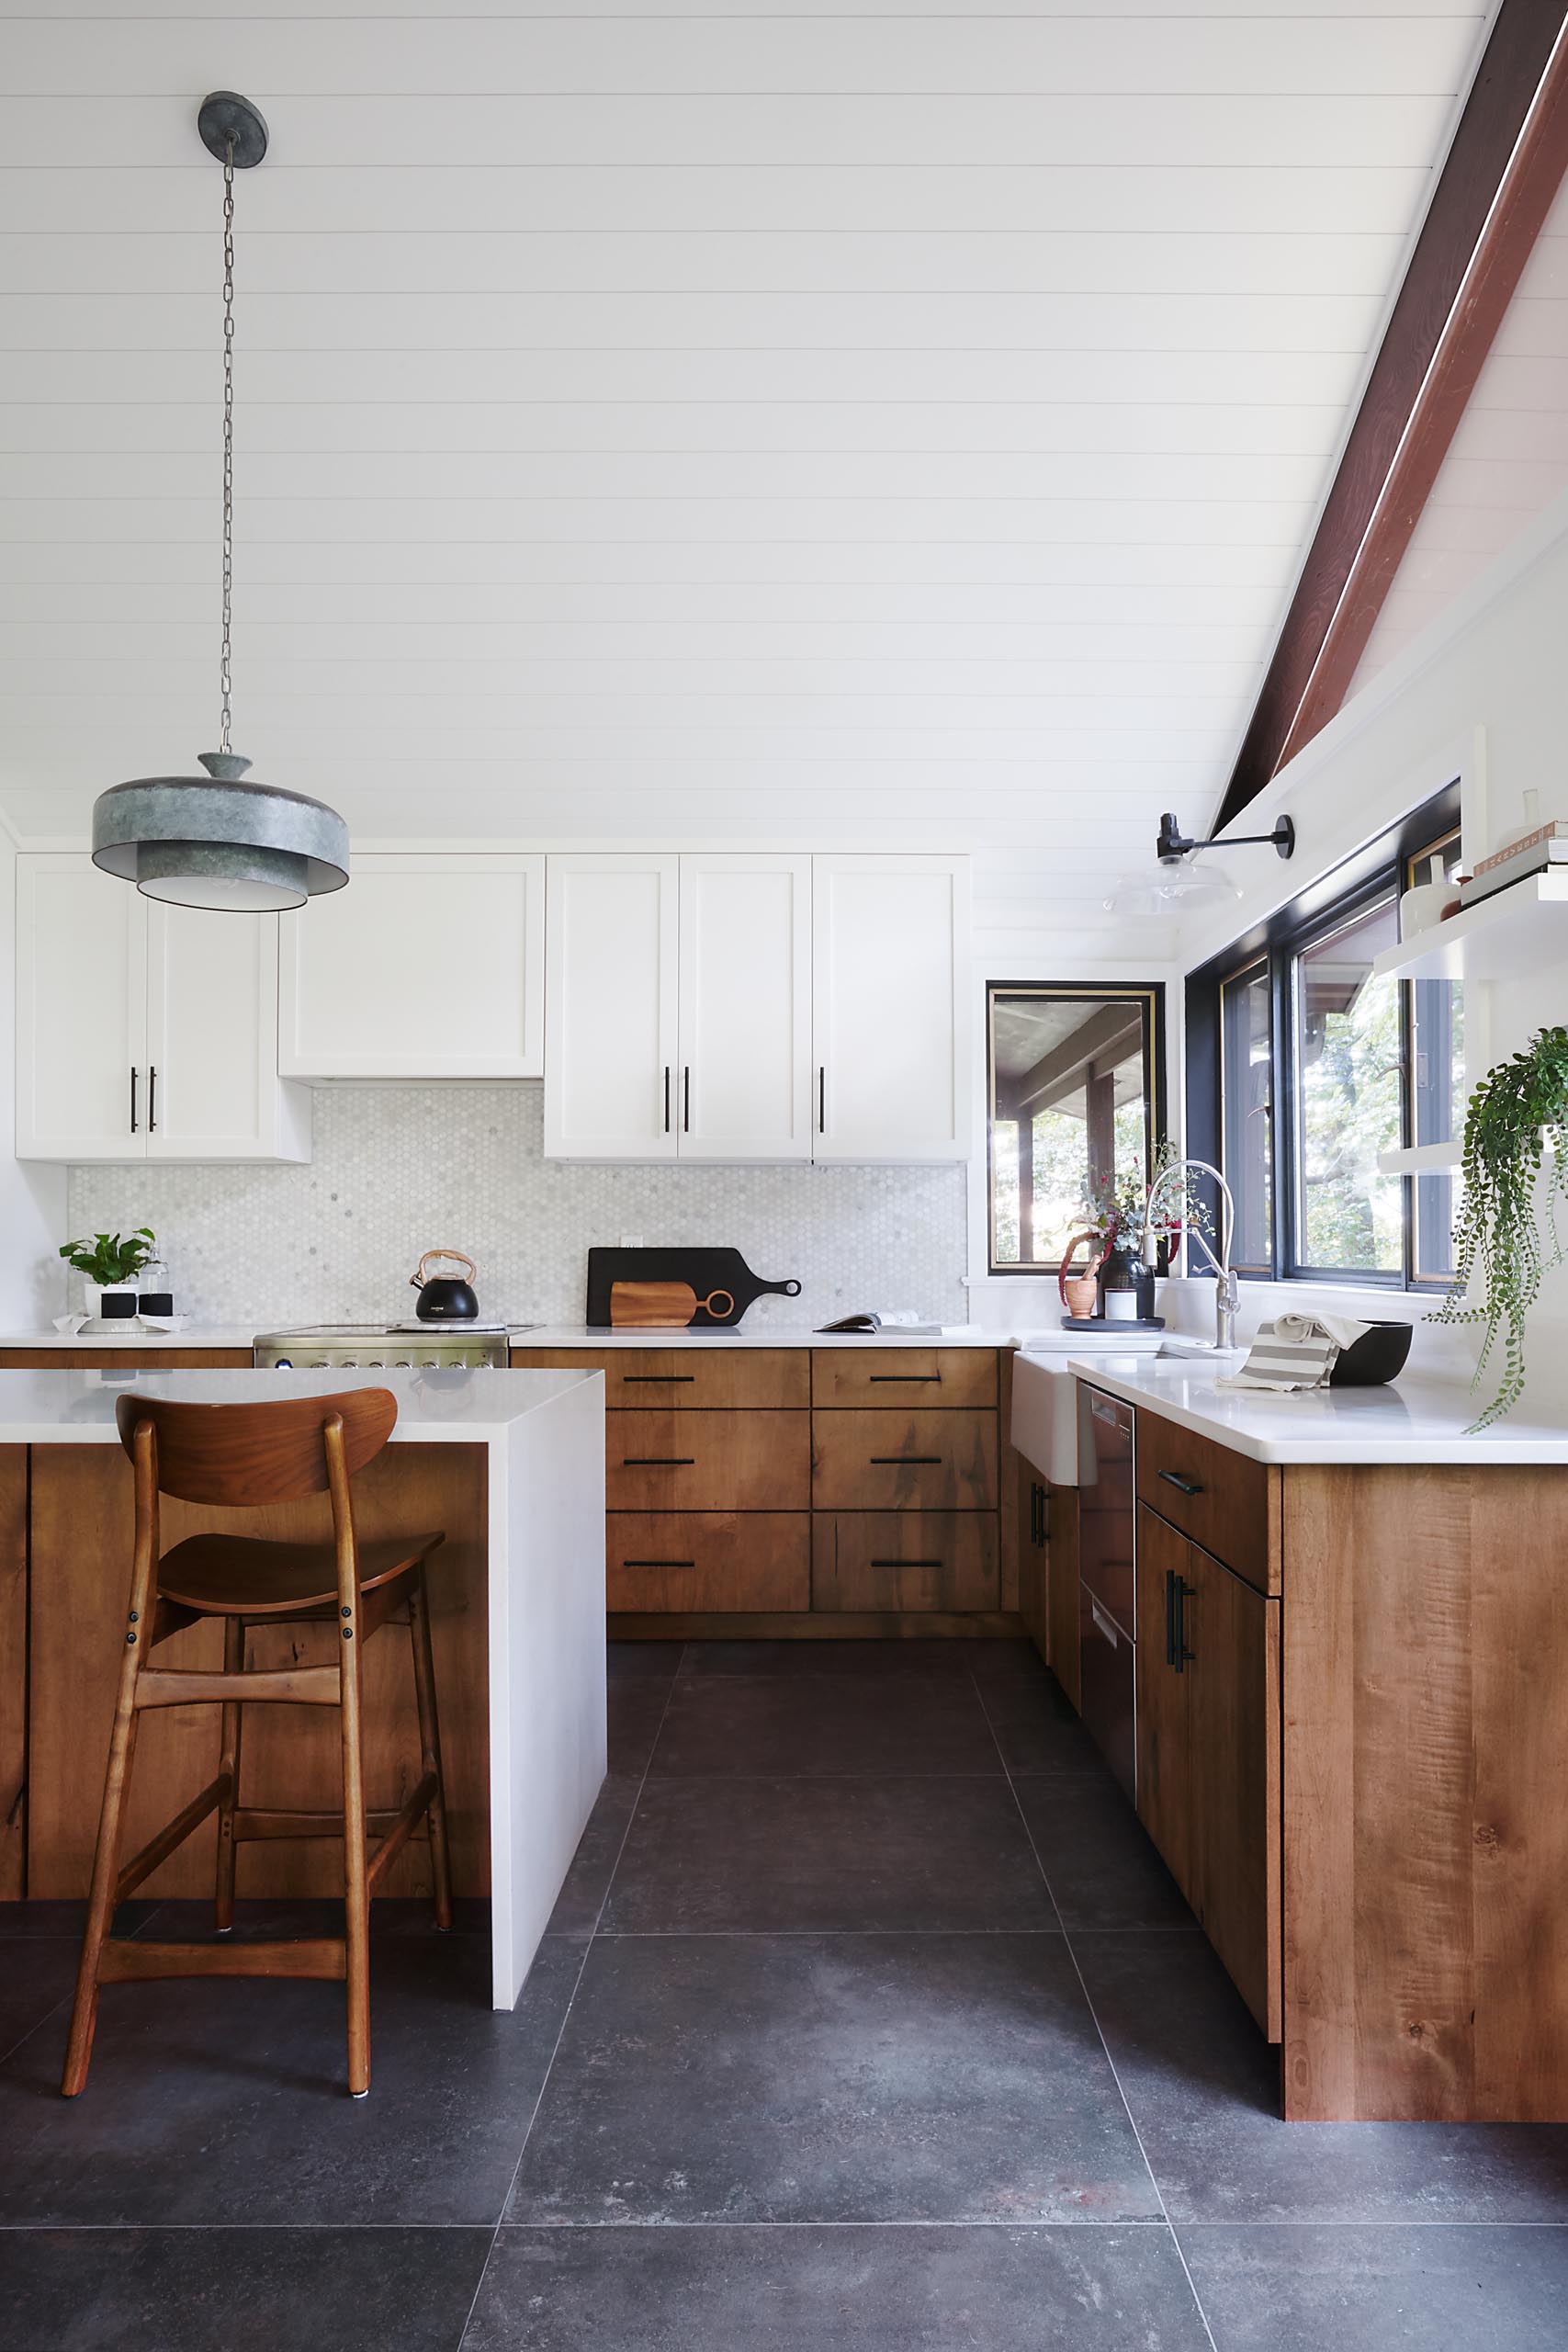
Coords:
1349,1075
1071,1104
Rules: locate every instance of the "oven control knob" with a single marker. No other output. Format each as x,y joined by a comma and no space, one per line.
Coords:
283,1364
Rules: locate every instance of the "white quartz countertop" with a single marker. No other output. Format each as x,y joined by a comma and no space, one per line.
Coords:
457,1407
583,1335
1410,1419
132,1334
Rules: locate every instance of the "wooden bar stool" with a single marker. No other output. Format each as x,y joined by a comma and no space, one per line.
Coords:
239,1455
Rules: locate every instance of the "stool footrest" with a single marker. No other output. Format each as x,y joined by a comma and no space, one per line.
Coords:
124,1961
275,1821
158,1849
168,1686
402,1830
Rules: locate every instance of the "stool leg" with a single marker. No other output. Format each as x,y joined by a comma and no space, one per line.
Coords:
355,1889
430,1747
228,1761
105,1859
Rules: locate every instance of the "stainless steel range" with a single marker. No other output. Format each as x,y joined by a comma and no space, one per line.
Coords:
385,1347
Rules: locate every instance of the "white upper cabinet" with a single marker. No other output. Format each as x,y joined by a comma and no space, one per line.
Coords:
745,1026
611,989
145,1032
80,1011
426,967
891,1029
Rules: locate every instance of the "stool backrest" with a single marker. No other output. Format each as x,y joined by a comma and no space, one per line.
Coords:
271,1452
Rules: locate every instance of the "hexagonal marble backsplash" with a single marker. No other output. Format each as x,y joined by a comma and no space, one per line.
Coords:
399,1169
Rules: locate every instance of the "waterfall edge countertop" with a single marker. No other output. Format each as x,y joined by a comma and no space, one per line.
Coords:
542,1434
528,1335
1410,1419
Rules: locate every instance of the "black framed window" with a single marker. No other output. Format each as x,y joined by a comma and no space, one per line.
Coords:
1305,1068
1075,1093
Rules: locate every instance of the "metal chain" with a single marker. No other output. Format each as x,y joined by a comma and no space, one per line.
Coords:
224,679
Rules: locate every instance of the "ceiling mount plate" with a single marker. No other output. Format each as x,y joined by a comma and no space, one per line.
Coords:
226,117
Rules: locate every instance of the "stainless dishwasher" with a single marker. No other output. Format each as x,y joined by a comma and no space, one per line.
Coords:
1106,1618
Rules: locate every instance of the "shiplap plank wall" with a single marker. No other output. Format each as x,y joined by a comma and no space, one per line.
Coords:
899,425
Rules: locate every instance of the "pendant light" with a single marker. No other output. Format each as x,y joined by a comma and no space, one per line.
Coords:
221,840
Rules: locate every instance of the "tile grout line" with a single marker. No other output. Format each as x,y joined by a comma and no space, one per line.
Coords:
1094,2015
566,2014
9,2051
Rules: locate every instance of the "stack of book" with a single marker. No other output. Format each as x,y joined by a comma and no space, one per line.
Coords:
1546,846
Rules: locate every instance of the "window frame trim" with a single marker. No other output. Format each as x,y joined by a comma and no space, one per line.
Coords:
1381,867
1150,994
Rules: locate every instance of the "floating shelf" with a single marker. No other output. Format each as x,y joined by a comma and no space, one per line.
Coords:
1506,935
1421,1159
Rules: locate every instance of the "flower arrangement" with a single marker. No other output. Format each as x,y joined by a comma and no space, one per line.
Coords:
1113,1208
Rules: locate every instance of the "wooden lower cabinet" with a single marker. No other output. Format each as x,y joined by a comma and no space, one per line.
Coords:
701,1562
921,1459
121,1359
1207,1741
904,1560
13,1670
667,1459
1062,1606
1029,1525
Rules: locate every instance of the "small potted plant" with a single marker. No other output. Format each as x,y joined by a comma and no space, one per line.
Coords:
1505,1238
109,1264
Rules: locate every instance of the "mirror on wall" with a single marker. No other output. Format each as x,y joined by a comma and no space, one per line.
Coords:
1072,1072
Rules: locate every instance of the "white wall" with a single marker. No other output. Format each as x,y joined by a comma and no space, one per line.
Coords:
32,1199
1482,693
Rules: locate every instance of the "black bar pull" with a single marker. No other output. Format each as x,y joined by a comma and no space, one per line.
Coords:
1034,1511
880,1458
666,1098
657,1461
1171,1581
133,1126
1183,1486
153,1098
658,1564
659,1379
904,1379
908,1564
821,1098
686,1098
1178,1593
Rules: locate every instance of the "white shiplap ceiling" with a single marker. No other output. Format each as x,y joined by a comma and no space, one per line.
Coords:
891,425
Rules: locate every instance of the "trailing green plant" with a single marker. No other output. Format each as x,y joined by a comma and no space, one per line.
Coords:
107,1259
1506,1233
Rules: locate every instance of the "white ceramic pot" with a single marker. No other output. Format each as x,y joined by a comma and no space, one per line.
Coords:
1424,906
111,1302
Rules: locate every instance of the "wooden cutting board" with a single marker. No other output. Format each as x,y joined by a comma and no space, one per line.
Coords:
705,1270
664,1306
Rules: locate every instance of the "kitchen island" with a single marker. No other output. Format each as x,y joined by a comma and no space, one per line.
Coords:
510,1464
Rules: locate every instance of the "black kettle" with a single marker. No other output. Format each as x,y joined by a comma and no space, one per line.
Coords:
444,1298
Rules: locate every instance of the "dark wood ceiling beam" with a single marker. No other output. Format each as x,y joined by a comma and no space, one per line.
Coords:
1503,169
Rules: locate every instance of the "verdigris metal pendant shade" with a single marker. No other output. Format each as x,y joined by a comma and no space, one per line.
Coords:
221,840
217,841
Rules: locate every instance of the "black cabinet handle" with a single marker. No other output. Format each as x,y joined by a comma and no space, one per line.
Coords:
666,1098
907,1564
1183,1486
133,1125
821,1098
881,1459
657,1461
1036,1512
658,1379
153,1098
686,1098
1177,1592
658,1564
905,1379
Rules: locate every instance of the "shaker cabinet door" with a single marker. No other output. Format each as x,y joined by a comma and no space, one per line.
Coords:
891,1015
426,966
610,990
745,1074
81,1010
212,1089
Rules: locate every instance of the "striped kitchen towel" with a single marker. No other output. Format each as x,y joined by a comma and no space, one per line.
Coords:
1294,1351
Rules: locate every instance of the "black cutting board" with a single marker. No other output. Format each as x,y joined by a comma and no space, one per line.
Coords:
705,1270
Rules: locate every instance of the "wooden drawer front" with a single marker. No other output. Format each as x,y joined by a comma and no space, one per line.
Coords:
914,1461
686,1378
721,1561
904,1559
694,1461
923,1377
1223,1501
90,1359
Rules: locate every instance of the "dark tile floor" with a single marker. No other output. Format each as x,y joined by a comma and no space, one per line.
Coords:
868,2019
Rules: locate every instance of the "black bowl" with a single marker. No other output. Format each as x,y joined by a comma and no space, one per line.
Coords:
1378,1355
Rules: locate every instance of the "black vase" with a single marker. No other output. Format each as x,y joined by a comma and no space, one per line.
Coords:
1122,1269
